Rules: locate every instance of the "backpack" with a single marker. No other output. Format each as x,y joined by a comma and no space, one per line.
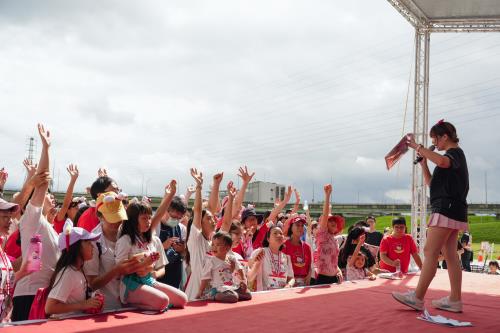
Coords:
37,310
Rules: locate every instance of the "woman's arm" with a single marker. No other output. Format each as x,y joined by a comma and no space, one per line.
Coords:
170,190
326,207
297,201
43,168
227,219
54,306
440,160
246,178
73,174
198,177
280,205
213,199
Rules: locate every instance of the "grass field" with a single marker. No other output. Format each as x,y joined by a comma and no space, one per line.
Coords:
482,228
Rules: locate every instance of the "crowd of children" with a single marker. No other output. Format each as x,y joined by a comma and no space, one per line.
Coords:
115,251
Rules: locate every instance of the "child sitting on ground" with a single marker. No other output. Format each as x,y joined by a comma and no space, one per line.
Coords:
218,273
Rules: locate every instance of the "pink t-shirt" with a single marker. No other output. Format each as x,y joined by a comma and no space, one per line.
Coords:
328,253
353,273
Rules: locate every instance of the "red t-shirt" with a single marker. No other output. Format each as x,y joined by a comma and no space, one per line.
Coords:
398,248
89,220
301,256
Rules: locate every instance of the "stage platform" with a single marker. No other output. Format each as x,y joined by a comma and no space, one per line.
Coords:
364,306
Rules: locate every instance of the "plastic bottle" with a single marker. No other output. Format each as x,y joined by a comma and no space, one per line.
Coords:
480,256
398,273
306,206
35,254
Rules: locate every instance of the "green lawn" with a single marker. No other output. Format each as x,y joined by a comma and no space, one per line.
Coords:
482,228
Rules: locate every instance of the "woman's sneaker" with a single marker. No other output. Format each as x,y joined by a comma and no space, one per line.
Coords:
409,299
447,305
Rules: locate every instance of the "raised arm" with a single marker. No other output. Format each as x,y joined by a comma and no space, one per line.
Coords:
43,168
246,178
73,173
213,200
170,190
326,207
198,177
28,185
280,205
438,159
3,179
227,219
361,241
189,192
297,201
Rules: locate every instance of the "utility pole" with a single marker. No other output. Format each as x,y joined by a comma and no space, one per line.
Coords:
30,149
313,193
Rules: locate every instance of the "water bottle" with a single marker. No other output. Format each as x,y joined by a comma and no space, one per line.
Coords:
306,206
35,254
398,273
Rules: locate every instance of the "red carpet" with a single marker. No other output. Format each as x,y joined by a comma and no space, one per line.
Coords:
350,307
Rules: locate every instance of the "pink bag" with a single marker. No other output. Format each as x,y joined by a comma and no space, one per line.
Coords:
37,310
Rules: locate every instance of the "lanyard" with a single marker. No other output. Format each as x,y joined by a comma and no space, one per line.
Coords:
7,267
275,266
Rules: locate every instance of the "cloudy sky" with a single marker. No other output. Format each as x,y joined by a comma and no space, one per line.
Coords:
300,91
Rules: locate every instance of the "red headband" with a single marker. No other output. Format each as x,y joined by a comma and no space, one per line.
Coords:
440,122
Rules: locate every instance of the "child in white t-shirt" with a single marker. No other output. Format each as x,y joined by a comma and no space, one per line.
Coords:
141,289
69,290
218,272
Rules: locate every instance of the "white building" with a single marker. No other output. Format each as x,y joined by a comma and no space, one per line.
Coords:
264,192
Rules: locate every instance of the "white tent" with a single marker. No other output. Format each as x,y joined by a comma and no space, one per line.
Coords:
428,16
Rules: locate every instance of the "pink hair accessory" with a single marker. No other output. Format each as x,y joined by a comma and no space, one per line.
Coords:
440,122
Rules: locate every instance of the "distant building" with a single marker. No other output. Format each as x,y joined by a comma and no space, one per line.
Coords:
264,192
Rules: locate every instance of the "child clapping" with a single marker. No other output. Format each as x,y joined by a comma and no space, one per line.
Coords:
218,272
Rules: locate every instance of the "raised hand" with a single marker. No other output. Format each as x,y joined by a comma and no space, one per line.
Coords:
328,189
3,177
410,140
171,188
245,176
361,239
231,190
40,179
197,176
73,171
44,135
102,172
190,190
218,177
30,167
288,194
297,195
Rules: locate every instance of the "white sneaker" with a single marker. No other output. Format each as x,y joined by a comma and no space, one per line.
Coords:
447,305
409,299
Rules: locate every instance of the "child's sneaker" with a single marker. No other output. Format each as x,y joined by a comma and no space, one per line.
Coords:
447,305
409,299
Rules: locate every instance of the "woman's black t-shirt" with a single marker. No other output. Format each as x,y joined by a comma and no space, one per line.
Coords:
449,187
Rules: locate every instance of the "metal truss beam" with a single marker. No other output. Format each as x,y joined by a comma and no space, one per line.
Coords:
420,121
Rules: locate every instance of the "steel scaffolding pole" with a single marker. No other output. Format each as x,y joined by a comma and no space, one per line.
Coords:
420,118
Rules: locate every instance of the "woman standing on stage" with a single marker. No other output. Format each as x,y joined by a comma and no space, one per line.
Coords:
449,185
